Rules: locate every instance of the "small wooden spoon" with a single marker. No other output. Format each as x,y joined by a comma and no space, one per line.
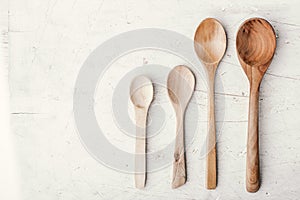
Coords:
210,46
141,94
255,44
181,84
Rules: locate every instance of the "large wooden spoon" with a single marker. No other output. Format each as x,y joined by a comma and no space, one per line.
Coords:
181,84
141,94
210,46
255,44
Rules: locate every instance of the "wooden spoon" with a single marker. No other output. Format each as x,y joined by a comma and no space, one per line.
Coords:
141,94
255,44
181,84
210,46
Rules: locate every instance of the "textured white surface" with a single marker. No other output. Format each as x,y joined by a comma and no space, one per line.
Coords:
49,41
8,168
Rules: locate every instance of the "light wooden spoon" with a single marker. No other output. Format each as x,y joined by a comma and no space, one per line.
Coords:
210,46
141,94
255,44
181,84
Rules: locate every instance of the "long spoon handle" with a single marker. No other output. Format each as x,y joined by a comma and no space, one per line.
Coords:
179,173
140,147
211,162
252,168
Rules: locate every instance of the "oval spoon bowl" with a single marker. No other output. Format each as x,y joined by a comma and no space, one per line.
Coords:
256,43
141,91
210,41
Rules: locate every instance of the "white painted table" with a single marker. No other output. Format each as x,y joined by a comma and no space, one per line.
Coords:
50,40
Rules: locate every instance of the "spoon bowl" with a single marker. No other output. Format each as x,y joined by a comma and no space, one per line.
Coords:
210,41
141,91
181,83
256,43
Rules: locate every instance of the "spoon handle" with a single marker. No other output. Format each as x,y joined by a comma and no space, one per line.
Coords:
140,147
211,160
252,168
179,174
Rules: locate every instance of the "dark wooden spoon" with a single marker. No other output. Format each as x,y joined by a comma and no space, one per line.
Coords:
255,44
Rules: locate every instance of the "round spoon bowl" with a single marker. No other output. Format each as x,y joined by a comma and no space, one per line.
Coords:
256,42
210,41
181,83
141,92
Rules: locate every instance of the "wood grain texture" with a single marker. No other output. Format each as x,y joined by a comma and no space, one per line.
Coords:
140,147
255,43
141,94
181,83
210,46
211,160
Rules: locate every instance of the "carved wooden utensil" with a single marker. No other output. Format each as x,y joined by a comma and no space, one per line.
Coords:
141,94
210,46
255,44
181,84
